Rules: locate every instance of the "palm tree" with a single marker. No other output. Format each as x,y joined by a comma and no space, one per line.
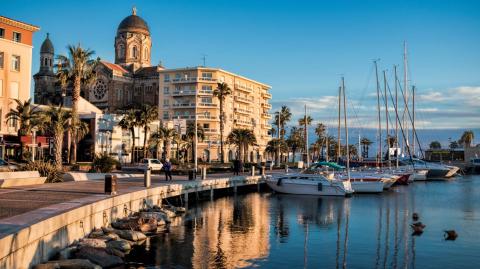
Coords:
129,122
320,131
221,92
275,146
169,134
242,138
467,138
157,138
190,136
56,120
295,140
365,142
285,116
79,68
146,116
435,145
27,115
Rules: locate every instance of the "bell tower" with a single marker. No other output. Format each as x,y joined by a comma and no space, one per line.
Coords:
133,43
44,90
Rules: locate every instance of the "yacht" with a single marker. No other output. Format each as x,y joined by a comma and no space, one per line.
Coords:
309,184
435,170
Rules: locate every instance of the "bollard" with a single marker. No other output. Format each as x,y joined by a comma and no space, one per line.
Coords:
271,167
110,184
185,199
147,180
253,170
192,174
204,173
263,170
211,193
286,168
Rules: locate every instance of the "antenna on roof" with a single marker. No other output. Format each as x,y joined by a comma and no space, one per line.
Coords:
134,10
204,58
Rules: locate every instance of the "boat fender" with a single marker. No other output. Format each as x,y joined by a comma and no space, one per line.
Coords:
279,182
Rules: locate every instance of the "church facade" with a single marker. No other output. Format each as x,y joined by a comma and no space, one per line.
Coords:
180,94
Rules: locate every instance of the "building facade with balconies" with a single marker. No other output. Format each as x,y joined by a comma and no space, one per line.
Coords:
186,92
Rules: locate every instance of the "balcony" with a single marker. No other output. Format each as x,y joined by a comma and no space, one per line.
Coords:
210,130
243,111
243,122
266,116
266,126
243,99
266,105
207,105
183,93
266,95
207,117
185,117
184,105
194,80
243,88
203,92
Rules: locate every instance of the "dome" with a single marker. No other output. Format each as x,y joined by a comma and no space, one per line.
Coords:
47,46
133,23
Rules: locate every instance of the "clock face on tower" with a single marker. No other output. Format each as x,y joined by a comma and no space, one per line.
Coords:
99,90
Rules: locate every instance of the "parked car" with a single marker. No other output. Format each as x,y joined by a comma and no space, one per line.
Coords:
152,164
5,166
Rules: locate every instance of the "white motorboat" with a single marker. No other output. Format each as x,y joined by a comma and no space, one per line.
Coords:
309,184
434,170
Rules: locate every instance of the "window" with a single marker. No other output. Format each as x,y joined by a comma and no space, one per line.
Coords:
207,100
166,90
15,63
145,53
206,126
207,75
166,103
178,76
1,90
134,52
119,94
206,88
2,33
121,51
166,78
165,115
14,90
2,56
17,37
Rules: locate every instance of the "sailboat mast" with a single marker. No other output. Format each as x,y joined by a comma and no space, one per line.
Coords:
338,131
396,117
346,129
326,145
413,120
386,116
306,137
405,91
379,151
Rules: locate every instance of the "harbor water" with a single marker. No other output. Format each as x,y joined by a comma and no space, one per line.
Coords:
286,231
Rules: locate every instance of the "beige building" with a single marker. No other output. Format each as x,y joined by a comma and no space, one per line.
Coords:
187,92
15,71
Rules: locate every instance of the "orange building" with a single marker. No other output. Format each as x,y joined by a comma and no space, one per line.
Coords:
15,72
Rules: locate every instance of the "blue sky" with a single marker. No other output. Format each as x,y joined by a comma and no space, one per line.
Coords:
300,48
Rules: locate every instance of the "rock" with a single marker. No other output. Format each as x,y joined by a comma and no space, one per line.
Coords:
47,266
99,256
130,235
110,237
75,264
160,217
66,253
169,213
93,242
148,225
108,230
121,245
96,233
116,252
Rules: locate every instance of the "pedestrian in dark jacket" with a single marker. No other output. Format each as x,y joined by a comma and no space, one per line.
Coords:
167,167
236,167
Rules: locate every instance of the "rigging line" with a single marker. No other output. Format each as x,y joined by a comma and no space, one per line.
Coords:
366,87
413,127
385,103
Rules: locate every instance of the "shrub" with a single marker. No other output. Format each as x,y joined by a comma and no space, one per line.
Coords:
104,163
45,169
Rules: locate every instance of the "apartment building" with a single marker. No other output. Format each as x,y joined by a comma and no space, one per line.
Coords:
15,71
187,93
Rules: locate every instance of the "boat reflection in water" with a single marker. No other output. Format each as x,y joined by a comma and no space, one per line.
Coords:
290,231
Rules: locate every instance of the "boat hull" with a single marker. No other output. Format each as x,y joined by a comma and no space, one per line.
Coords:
306,187
367,186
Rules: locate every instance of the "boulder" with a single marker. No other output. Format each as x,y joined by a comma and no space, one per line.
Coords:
75,264
116,252
160,217
108,230
98,256
109,237
93,242
121,245
67,253
96,233
47,266
148,225
131,235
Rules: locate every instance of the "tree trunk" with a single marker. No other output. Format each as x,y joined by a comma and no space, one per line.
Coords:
57,144
222,152
145,133
294,150
168,148
132,160
75,98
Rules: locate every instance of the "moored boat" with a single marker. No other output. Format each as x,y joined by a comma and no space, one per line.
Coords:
309,184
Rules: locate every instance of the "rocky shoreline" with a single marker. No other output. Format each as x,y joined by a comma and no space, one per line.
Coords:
106,247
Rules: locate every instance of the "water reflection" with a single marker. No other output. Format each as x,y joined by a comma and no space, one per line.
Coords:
287,231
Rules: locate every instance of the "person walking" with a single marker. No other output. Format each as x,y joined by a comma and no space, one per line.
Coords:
236,167
167,167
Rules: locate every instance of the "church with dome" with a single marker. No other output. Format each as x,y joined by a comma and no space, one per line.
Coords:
131,79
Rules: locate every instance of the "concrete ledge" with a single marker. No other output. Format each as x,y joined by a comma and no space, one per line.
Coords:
21,178
34,237
81,176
